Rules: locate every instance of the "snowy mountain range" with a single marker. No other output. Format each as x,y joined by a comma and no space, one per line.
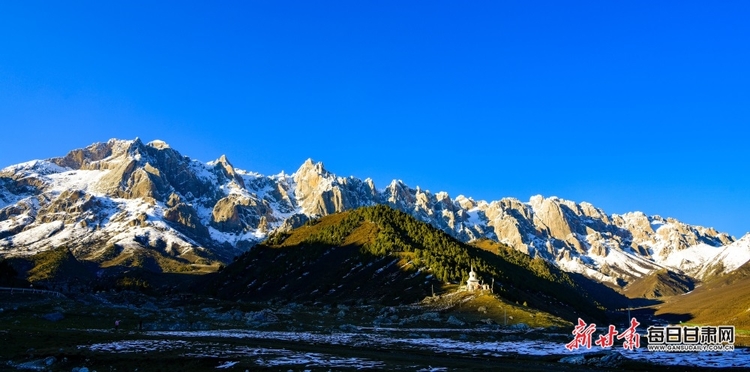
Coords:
125,196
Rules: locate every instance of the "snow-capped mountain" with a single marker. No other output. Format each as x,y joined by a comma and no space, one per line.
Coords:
130,195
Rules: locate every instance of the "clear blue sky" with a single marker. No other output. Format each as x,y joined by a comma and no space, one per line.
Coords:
629,105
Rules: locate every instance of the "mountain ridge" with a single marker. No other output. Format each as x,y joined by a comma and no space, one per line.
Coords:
137,195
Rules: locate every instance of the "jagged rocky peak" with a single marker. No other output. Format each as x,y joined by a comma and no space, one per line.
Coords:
137,148
370,184
310,176
553,217
399,194
466,203
319,192
226,170
312,182
95,156
310,166
588,210
158,144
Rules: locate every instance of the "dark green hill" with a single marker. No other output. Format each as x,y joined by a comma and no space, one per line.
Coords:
378,254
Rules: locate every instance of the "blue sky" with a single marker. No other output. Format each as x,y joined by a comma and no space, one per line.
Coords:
634,105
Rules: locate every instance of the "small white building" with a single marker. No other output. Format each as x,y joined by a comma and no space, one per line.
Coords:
473,283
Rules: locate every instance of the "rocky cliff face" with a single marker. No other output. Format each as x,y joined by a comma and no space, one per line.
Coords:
135,195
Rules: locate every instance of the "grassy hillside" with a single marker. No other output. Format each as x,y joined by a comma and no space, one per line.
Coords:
153,261
141,270
55,269
386,256
661,283
723,300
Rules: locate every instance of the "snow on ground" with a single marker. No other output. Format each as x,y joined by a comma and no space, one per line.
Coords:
138,346
526,347
740,357
318,360
226,365
264,357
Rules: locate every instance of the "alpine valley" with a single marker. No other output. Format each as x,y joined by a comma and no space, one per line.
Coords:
121,202
203,266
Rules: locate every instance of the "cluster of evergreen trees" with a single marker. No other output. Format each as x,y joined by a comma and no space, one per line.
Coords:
397,233
446,258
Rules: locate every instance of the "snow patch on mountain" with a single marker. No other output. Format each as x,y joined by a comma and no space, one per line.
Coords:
75,180
33,235
693,258
729,258
34,168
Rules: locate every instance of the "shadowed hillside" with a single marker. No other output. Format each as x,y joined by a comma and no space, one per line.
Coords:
55,269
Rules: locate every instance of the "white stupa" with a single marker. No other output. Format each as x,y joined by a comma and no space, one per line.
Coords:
473,283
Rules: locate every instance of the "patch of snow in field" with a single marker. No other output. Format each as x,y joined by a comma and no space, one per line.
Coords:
532,347
318,360
262,356
740,357
278,357
226,365
137,346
